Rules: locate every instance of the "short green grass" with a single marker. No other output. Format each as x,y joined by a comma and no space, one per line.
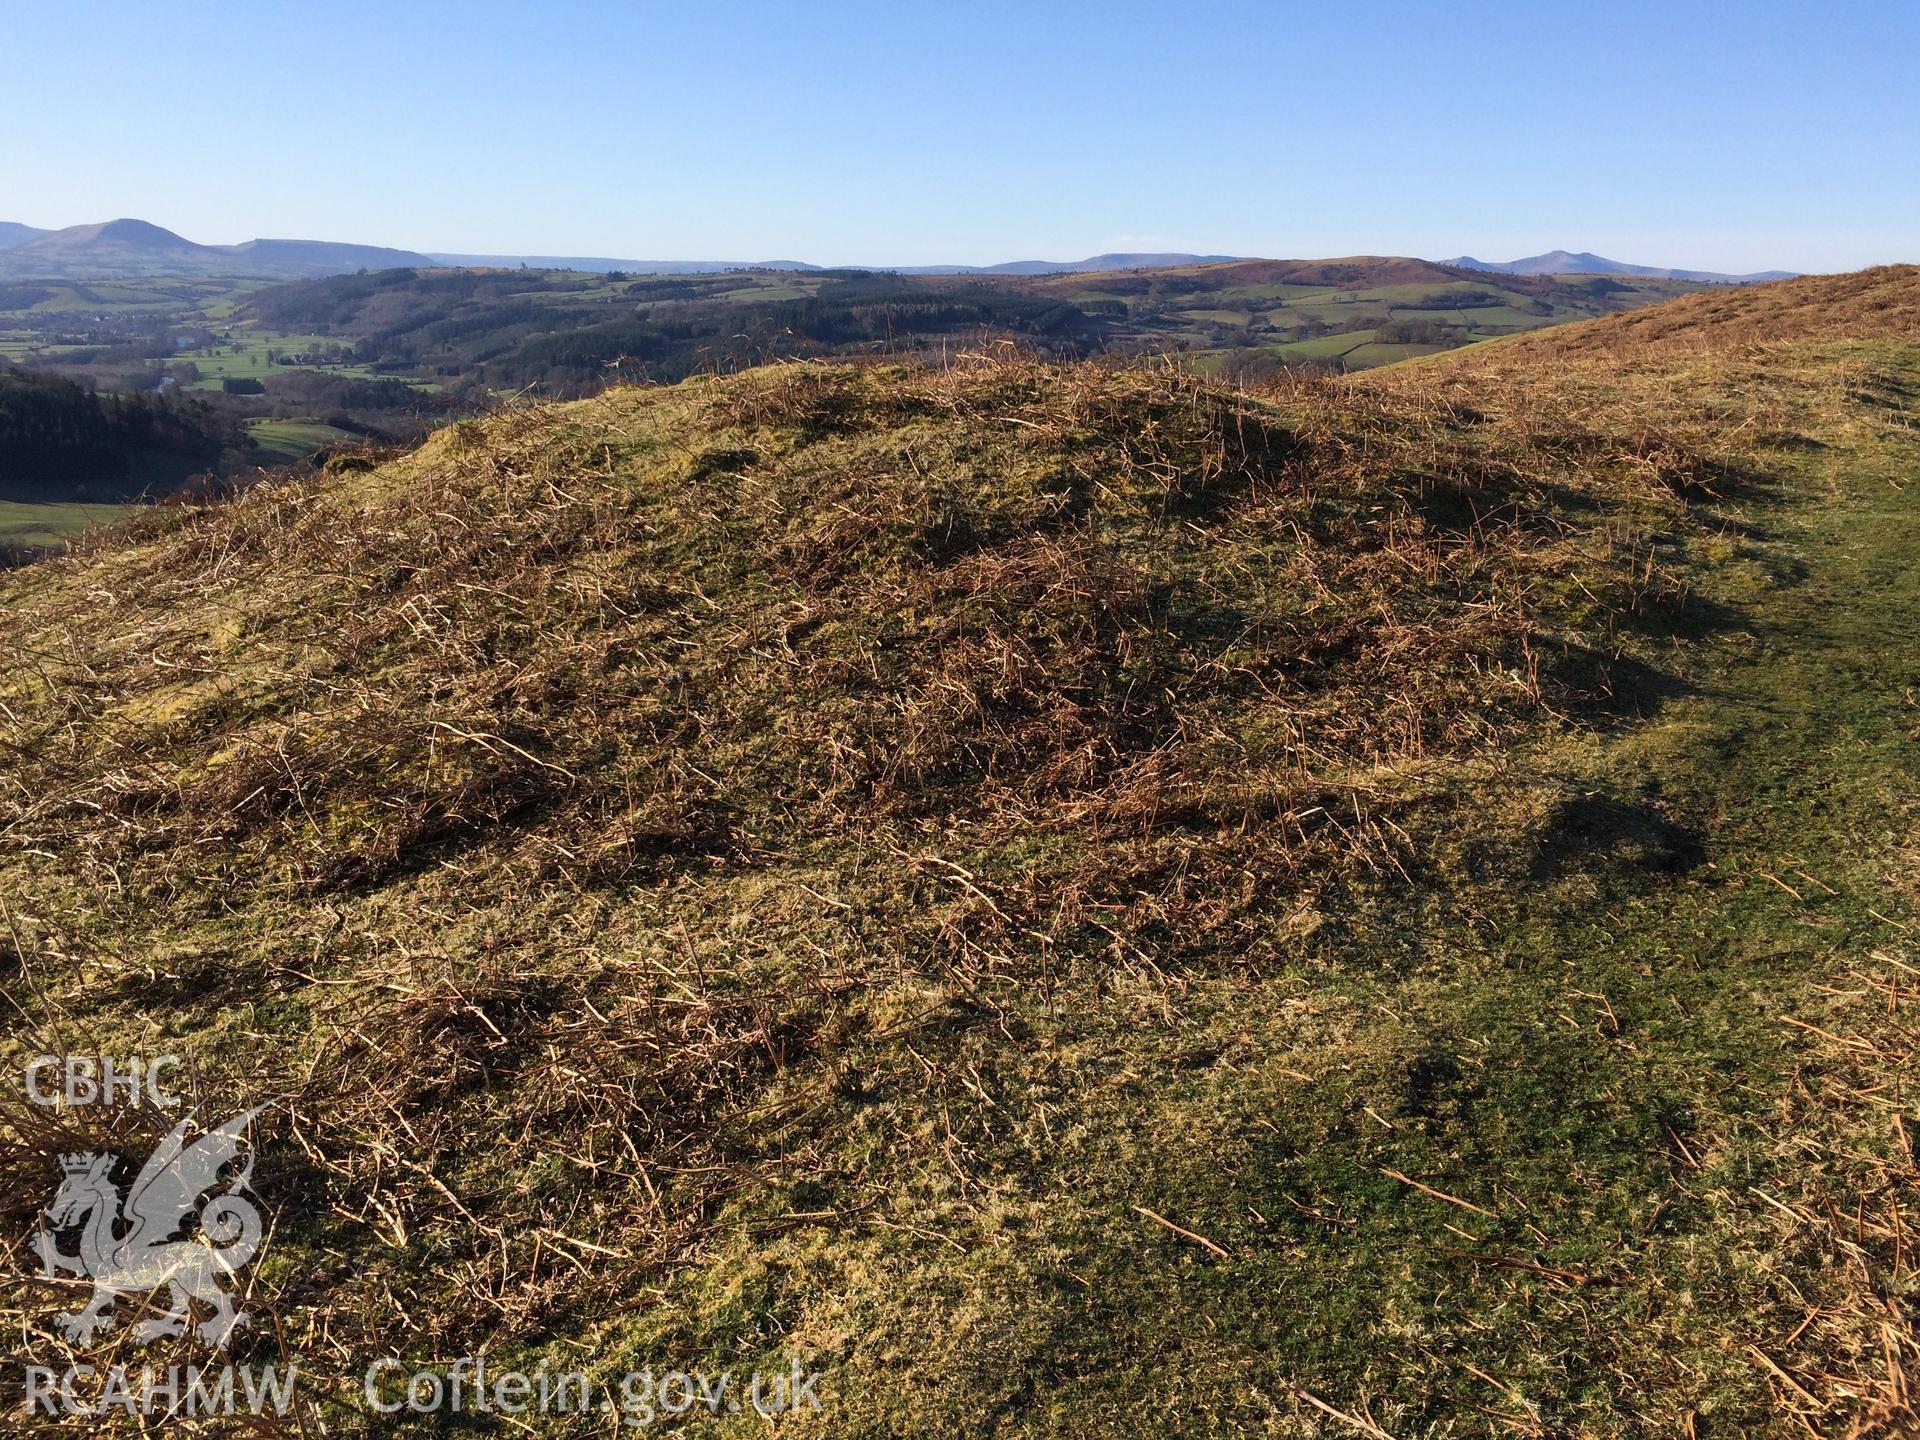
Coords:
37,526
287,442
1219,317
1372,353
1326,346
246,356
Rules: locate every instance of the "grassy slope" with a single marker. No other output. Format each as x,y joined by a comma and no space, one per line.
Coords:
809,861
37,526
287,442
1586,1016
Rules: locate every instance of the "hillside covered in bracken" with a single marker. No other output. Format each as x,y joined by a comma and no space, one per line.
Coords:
1051,894
1878,304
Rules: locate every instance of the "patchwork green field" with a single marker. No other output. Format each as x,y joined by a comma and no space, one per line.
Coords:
255,355
152,324
479,334
194,350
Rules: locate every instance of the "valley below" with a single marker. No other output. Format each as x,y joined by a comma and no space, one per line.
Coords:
271,374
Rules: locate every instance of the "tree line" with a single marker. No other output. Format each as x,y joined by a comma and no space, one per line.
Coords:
62,441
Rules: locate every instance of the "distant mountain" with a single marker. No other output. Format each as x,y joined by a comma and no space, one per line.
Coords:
1585,262
13,233
1157,261
601,264
135,247
114,242
324,257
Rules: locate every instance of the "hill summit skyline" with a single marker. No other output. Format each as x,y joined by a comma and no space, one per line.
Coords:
129,246
134,247
1585,262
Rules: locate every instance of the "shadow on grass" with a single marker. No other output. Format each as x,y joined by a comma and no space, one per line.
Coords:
1626,830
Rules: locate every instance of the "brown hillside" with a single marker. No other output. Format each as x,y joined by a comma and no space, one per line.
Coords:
1351,272
956,689
1882,303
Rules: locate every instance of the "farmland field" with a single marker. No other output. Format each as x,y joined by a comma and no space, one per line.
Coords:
29,526
276,373
254,356
479,333
287,442
153,323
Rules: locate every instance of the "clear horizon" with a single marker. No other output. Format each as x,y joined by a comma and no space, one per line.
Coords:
1730,139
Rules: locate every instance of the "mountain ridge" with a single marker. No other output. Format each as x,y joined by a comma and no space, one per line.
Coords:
606,264
1155,260
1091,264
128,246
1585,262
13,233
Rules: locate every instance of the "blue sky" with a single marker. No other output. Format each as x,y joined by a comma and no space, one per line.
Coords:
1737,137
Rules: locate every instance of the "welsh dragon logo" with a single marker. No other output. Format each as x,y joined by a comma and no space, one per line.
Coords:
137,1245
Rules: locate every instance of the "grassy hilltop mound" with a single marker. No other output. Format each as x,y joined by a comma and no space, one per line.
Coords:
1075,900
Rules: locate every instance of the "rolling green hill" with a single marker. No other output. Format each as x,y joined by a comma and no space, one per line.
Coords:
1071,899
